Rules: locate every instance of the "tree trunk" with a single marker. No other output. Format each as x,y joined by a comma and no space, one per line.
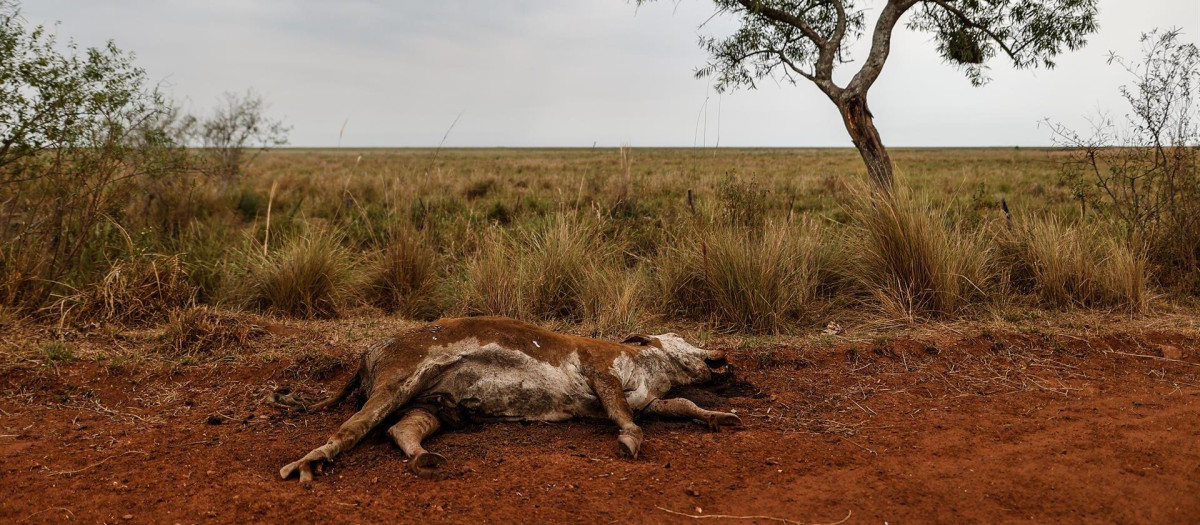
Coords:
861,126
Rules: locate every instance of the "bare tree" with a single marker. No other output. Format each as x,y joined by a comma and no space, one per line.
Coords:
808,39
237,131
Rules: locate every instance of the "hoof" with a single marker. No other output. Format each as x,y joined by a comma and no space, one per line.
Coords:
723,419
628,446
312,463
427,465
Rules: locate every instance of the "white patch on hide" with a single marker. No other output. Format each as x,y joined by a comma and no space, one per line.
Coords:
509,384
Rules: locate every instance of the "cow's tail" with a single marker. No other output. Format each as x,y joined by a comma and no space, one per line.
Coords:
282,397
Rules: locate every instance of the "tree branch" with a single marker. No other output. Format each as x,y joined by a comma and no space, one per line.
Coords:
881,44
756,6
791,65
830,50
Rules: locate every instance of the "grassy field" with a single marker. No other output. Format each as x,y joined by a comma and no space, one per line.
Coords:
609,241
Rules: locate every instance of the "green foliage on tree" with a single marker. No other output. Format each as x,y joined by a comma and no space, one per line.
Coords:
76,127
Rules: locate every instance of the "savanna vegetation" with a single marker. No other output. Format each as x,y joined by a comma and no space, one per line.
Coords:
613,241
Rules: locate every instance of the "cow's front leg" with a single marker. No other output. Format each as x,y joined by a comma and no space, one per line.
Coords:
680,407
612,397
416,425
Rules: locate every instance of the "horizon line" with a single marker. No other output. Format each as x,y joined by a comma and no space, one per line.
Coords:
852,148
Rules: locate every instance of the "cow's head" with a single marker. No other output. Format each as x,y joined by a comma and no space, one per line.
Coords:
696,365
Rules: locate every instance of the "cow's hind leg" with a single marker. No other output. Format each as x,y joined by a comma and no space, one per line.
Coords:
416,425
383,402
680,407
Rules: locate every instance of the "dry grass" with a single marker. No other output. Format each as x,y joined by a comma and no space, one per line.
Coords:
313,275
204,330
492,284
913,261
608,241
560,271
557,261
615,301
742,280
1074,265
140,291
404,277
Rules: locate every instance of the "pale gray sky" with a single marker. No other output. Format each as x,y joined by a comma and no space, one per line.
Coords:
571,72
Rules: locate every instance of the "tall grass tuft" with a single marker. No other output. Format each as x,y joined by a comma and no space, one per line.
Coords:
1074,265
740,280
558,260
562,271
492,280
404,277
615,300
311,276
913,261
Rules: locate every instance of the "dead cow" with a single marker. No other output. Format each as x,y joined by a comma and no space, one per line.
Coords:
502,369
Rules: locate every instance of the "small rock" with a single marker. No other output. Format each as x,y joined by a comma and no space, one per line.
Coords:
127,517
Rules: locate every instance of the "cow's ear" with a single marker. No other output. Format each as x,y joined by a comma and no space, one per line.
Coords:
641,340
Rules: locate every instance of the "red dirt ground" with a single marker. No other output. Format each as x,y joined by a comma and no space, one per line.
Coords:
984,428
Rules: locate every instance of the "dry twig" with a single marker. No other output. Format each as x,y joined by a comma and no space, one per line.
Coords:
98,463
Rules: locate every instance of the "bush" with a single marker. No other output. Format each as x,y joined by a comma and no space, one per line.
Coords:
1144,173
76,127
311,276
236,132
137,292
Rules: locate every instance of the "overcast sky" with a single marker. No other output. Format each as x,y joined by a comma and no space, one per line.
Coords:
572,72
